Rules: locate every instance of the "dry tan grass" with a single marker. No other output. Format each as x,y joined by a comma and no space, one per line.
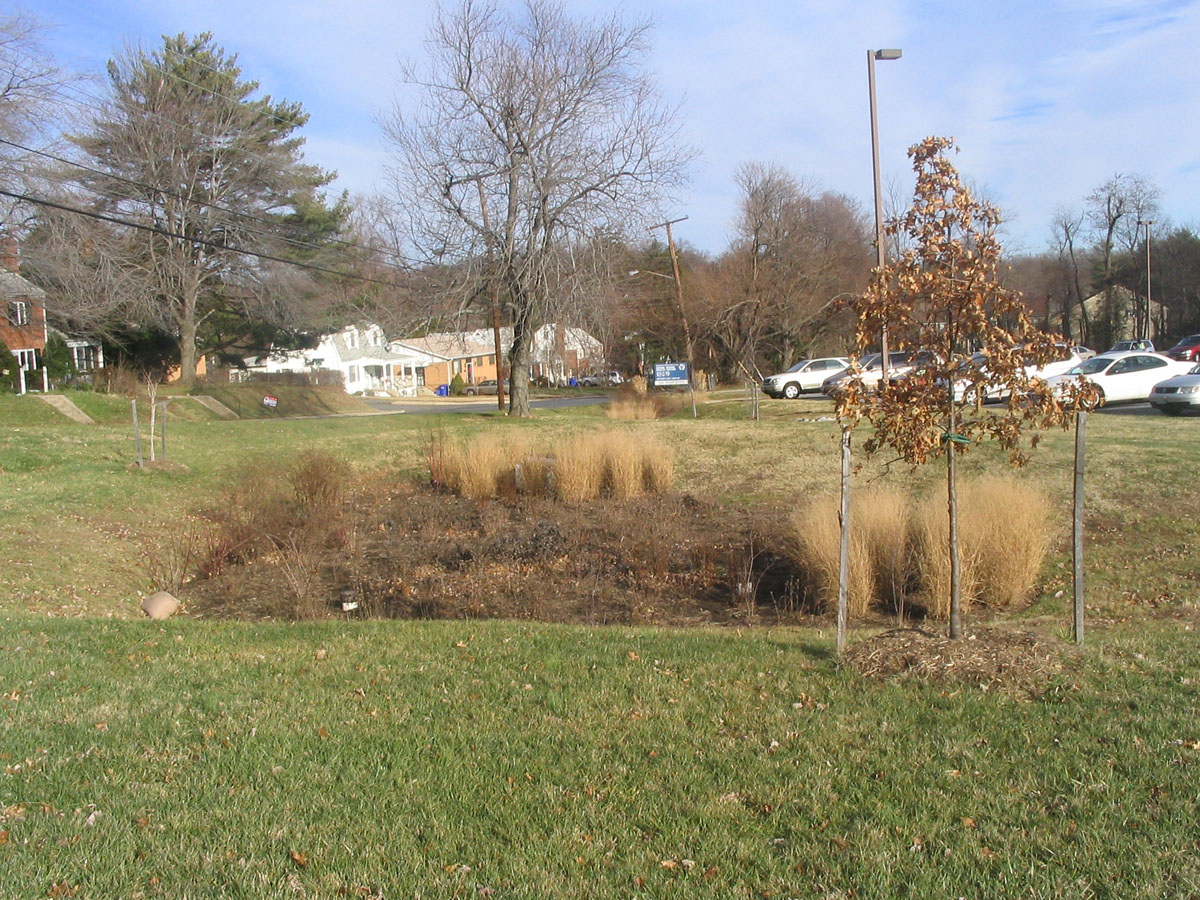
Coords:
1003,537
623,463
633,408
881,515
580,463
658,463
817,532
1016,538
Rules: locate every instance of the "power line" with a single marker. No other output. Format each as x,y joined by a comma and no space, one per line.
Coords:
154,229
296,242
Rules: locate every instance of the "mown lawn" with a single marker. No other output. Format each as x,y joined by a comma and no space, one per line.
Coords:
442,759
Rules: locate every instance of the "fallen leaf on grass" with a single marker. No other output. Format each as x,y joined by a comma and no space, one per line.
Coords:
299,858
4,837
62,889
968,822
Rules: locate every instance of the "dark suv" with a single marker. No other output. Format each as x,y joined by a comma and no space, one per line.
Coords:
1188,348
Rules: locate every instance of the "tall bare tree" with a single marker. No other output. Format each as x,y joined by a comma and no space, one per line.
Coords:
534,133
1114,210
30,100
796,250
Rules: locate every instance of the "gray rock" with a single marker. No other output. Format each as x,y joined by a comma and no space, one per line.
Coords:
160,605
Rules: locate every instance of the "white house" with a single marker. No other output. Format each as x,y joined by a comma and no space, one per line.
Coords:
558,351
361,353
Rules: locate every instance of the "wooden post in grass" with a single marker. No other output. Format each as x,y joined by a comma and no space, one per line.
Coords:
163,413
137,434
844,555
1077,518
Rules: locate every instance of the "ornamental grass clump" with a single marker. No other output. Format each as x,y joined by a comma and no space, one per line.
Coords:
878,552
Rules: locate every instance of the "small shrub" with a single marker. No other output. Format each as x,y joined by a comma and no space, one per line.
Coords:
457,385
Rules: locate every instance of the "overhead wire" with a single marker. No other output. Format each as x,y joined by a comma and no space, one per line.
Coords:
274,226
96,106
141,226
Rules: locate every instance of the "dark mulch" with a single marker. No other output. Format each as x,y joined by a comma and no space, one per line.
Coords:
408,551
990,658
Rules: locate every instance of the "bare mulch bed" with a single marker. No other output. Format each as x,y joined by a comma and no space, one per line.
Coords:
408,551
990,658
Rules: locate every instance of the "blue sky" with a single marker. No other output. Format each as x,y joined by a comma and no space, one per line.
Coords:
1046,99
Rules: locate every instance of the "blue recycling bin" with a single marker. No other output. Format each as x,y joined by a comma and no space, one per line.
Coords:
443,390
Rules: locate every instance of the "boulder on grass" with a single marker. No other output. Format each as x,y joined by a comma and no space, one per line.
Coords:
160,605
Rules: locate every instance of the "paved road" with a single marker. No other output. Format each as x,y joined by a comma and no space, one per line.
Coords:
477,404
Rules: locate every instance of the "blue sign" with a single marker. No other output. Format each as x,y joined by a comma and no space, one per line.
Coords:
668,374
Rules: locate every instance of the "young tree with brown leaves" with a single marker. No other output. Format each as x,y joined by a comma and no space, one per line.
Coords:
943,299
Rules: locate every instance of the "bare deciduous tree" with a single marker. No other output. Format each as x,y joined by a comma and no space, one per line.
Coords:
30,100
1115,210
535,133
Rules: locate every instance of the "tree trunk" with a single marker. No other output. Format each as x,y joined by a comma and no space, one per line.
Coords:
187,338
519,356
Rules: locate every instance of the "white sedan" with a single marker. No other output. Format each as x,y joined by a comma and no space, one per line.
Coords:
1123,376
1176,394
805,376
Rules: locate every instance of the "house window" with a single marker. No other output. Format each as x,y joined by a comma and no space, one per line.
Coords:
479,361
27,359
491,360
18,312
353,374
419,373
84,357
352,338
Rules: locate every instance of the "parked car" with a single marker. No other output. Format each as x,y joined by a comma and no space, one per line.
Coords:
1176,394
1140,345
601,379
484,387
1122,376
1066,358
1188,348
802,378
1083,352
869,371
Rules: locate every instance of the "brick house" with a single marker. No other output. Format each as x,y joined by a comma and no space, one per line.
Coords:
22,312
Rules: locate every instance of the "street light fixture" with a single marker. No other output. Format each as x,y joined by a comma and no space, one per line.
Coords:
880,247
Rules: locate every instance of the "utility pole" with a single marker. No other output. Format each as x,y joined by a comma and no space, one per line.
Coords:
687,330
1145,329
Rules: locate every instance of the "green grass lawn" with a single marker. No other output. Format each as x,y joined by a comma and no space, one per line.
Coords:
194,758
442,759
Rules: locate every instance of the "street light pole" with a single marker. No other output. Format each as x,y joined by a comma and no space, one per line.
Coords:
1149,308
880,246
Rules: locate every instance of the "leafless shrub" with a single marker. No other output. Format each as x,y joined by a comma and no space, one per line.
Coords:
173,556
